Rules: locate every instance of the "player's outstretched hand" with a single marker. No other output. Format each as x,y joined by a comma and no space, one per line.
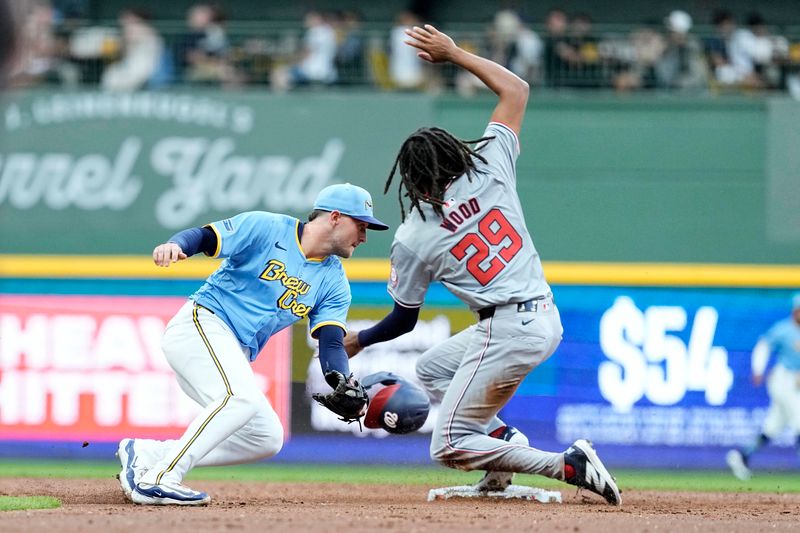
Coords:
434,45
349,398
167,253
351,344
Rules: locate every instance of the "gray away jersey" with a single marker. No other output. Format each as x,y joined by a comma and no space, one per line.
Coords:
481,251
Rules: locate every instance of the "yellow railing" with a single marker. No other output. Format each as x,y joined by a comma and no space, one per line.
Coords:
557,272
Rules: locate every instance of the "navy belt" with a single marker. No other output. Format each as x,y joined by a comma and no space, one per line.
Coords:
529,305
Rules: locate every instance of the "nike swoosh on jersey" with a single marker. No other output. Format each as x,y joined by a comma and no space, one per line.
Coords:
526,322
279,247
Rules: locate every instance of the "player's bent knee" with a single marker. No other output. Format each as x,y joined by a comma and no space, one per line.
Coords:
440,452
246,405
448,457
271,445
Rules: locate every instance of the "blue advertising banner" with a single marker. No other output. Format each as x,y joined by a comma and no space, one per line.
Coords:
645,373
655,377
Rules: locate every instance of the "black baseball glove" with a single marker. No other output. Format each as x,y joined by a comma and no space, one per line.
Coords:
348,399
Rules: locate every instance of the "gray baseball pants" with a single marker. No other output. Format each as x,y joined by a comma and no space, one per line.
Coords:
474,374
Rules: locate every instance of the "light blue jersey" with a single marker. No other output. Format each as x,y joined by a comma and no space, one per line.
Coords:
266,283
784,340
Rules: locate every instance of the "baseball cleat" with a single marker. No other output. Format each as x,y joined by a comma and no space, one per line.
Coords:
498,481
738,466
127,459
168,494
589,472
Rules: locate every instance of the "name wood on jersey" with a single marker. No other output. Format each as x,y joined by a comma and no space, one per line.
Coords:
460,213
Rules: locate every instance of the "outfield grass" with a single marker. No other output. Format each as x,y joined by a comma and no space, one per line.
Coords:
15,503
688,480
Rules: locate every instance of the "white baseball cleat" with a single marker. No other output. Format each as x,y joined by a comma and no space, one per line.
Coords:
735,461
590,473
127,460
499,481
168,494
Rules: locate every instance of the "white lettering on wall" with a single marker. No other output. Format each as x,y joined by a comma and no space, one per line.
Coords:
89,182
204,174
647,361
66,356
141,105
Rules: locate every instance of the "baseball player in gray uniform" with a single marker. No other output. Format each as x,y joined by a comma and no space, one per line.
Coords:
465,228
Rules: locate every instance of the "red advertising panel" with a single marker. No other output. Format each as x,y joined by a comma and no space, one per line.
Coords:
90,368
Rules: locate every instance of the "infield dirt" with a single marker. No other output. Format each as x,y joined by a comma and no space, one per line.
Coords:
98,505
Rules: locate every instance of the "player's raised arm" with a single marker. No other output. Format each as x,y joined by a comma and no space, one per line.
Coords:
438,47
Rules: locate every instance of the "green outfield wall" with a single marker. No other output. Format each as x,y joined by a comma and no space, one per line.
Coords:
602,179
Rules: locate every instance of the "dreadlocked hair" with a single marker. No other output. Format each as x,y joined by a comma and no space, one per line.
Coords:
428,160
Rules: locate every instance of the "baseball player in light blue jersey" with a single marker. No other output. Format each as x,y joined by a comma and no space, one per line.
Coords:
277,270
465,228
783,387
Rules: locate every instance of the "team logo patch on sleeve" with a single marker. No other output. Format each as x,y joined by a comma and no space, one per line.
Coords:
228,224
393,277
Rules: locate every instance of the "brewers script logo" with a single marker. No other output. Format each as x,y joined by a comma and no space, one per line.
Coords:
295,287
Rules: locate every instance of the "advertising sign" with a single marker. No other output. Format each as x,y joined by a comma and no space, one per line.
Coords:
656,367
90,368
130,169
653,376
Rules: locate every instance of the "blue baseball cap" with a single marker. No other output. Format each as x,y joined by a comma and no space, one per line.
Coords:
349,200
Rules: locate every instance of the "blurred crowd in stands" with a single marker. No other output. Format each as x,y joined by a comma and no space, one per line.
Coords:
336,48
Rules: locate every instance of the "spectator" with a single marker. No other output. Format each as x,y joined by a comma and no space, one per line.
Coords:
406,70
727,54
316,64
764,51
42,55
583,54
141,54
646,45
556,48
203,52
515,46
716,46
682,64
350,49
8,41
511,44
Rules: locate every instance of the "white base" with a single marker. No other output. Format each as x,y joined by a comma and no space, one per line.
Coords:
512,491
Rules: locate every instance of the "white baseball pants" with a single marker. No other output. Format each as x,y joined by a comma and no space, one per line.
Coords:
237,424
783,387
